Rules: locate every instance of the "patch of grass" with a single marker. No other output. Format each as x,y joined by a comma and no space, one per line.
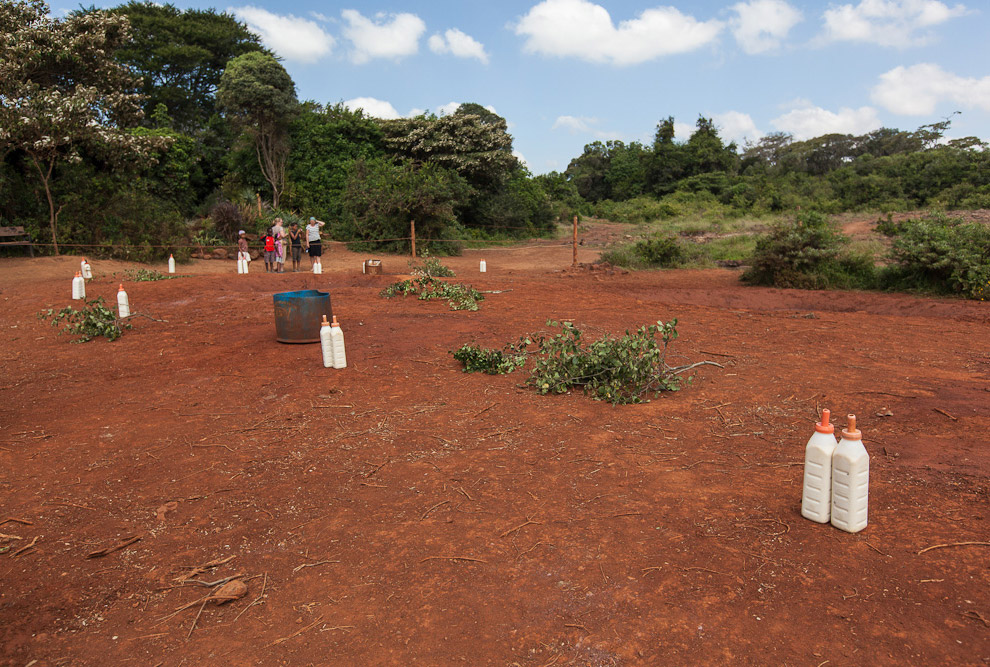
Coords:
147,275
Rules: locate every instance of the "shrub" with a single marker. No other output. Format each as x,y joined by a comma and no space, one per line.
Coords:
804,253
660,249
459,297
940,254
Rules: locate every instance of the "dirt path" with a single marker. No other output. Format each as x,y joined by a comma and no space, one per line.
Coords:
402,512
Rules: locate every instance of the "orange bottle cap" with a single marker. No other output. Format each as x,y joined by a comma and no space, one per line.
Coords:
78,274
824,426
325,323
850,432
334,321
121,287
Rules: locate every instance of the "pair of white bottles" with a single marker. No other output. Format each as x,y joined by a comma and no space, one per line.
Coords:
79,286
836,477
86,269
317,266
242,262
332,344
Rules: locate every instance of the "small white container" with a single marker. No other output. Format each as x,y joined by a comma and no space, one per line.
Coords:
337,344
240,263
246,262
816,499
326,343
78,286
317,266
123,305
87,270
850,481
484,266
171,264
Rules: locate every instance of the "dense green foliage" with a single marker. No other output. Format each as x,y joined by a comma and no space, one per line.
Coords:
625,369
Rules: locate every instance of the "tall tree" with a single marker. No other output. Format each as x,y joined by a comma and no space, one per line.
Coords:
259,96
180,56
61,92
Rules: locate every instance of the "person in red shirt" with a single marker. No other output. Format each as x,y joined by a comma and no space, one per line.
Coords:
269,242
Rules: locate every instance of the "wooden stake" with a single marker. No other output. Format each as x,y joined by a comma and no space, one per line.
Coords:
412,233
574,261
259,203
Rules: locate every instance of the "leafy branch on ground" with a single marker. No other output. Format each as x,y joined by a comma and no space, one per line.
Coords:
146,275
459,297
90,322
625,369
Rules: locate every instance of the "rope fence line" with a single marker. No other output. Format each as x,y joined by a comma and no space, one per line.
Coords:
118,246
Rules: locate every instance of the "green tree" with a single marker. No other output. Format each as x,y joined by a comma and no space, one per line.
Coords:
382,197
477,147
259,96
326,141
180,56
588,172
61,92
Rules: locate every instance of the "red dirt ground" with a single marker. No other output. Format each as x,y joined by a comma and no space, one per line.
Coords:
403,512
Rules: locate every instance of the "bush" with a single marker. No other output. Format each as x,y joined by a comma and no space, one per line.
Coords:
228,218
661,249
940,254
804,253
459,297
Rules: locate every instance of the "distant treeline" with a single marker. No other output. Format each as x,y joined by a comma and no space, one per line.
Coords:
133,131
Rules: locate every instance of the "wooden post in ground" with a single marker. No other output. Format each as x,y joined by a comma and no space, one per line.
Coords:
574,261
412,232
259,203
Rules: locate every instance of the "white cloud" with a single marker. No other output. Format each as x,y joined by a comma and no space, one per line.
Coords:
807,121
448,108
373,107
760,25
458,44
574,124
917,90
387,36
291,37
887,22
736,126
581,29
683,131
522,158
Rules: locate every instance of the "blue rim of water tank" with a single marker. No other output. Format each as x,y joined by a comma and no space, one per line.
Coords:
300,294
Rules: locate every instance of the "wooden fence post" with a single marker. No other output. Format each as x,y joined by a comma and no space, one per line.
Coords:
412,231
574,261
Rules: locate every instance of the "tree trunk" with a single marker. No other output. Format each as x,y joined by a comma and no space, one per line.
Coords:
46,178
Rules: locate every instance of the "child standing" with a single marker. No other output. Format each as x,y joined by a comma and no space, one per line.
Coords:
269,251
278,231
296,239
242,247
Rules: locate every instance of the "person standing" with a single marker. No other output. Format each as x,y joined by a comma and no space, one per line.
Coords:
296,243
269,242
313,241
278,231
242,247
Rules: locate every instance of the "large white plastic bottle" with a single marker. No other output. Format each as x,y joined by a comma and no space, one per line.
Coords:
87,270
123,305
337,345
816,501
78,286
850,481
240,263
171,263
484,266
326,343
317,266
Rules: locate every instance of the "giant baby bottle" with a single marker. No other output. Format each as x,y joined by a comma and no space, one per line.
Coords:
816,502
337,343
850,480
326,343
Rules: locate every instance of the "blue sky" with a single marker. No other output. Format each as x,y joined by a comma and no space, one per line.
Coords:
565,73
